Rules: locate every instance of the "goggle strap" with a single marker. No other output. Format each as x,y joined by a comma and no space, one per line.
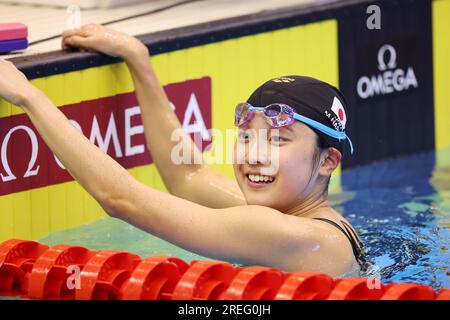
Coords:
350,143
317,125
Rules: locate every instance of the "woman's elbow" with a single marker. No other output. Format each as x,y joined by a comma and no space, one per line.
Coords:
110,206
118,200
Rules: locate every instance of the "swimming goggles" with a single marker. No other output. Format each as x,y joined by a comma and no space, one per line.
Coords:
279,115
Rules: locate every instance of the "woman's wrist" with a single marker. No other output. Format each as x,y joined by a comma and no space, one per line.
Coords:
30,98
135,51
141,69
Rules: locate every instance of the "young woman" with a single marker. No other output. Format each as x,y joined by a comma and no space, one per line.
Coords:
280,219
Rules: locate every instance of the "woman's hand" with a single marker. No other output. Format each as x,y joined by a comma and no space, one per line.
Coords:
94,37
14,86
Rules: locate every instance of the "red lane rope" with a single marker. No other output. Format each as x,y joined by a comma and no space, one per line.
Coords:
32,270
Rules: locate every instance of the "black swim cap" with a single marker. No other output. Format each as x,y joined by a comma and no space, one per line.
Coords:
309,97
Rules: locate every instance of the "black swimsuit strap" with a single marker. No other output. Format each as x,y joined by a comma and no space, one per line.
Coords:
356,244
347,227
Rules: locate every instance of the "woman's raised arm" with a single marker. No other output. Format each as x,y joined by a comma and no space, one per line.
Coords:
92,168
195,181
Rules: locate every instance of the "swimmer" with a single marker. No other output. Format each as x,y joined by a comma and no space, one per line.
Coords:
280,219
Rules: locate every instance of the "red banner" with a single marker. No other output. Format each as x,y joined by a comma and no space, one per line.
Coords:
114,124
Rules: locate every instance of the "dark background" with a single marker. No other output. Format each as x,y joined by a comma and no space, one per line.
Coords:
399,123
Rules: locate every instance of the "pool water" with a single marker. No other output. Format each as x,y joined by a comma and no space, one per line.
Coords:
400,207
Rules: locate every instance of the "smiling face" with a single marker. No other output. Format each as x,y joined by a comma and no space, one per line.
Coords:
297,177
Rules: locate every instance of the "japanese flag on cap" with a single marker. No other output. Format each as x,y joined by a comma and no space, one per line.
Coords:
339,111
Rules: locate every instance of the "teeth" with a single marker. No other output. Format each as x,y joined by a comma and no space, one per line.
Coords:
258,178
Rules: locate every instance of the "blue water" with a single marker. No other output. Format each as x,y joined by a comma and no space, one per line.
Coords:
400,207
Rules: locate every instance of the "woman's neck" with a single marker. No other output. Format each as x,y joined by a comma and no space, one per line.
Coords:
310,206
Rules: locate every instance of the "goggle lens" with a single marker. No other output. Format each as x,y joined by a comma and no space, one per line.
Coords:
276,115
242,114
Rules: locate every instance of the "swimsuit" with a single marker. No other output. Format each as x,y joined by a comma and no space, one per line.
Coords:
356,244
